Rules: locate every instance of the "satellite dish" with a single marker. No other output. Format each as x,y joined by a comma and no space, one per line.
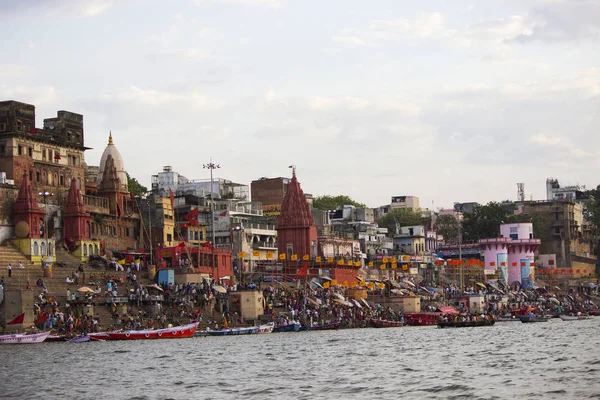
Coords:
22,229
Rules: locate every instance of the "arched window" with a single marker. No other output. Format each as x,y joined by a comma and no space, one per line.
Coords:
85,250
49,249
43,248
91,249
96,249
36,249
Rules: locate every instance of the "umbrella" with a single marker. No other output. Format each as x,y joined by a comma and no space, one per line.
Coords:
554,300
424,288
409,283
366,303
481,285
356,303
326,278
220,289
432,289
313,302
85,289
339,296
155,287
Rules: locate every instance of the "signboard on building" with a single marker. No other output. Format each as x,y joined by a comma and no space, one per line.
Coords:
271,210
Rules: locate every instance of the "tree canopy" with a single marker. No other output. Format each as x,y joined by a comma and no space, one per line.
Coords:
401,216
135,187
447,226
327,202
484,221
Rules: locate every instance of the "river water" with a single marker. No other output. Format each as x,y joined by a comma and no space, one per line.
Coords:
507,361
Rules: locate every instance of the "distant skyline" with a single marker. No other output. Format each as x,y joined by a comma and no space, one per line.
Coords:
447,101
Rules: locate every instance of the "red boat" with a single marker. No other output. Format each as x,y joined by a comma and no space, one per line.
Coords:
382,323
176,332
422,318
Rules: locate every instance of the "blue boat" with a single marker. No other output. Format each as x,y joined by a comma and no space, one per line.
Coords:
293,327
234,331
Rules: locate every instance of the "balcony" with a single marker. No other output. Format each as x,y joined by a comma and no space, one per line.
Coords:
260,245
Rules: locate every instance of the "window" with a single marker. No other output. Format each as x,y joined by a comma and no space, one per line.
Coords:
2,148
31,152
169,237
62,180
30,175
557,230
201,237
20,150
2,127
18,125
37,176
44,154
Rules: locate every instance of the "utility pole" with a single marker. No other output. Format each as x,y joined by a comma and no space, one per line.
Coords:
212,166
45,195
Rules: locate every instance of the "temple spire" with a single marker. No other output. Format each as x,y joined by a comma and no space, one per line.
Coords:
110,141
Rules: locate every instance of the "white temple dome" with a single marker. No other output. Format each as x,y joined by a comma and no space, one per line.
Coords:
111,149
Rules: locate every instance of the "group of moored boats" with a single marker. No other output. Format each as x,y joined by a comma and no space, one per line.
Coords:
190,330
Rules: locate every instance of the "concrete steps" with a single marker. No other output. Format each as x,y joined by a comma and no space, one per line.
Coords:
64,256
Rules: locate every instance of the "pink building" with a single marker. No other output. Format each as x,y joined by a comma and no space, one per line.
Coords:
512,254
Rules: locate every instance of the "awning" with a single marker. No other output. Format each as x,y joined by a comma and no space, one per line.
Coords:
448,310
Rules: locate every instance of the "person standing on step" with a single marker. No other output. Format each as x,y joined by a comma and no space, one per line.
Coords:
9,268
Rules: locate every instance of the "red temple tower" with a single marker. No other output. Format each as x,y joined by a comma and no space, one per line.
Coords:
29,216
76,220
296,230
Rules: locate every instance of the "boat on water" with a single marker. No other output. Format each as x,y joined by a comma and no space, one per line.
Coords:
234,331
267,328
383,323
100,336
80,339
325,327
22,338
176,332
595,313
56,338
528,319
422,318
466,324
291,327
573,317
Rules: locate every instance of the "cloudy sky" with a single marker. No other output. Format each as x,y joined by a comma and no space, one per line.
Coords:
445,100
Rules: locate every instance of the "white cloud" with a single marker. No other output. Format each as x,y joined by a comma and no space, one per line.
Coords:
14,70
37,95
249,3
75,8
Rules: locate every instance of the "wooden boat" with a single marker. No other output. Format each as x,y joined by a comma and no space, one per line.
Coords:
293,327
80,339
595,313
573,317
325,327
267,328
422,318
176,332
99,336
234,331
528,319
382,323
466,324
22,338
55,338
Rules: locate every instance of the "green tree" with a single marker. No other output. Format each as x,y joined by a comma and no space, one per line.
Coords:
327,202
484,221
400,216
447,226
135,187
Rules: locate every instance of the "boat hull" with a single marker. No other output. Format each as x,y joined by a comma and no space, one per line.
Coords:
80,339
382,323
19,338
287,328
573,317
178,332
235,331
422,319
326,327
465,324
527,320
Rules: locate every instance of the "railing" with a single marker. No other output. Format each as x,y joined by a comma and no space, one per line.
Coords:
262,244
260,226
